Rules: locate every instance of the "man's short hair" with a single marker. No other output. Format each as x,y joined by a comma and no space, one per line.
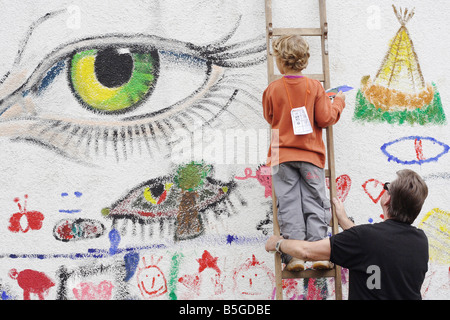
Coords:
408,193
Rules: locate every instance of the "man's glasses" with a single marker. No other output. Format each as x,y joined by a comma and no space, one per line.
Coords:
386,186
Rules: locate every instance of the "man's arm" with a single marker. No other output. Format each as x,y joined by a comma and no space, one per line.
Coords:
305,250
311,250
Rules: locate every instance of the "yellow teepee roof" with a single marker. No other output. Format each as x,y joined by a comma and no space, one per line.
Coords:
400,69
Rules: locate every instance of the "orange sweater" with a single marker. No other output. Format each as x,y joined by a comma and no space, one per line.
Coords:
277,111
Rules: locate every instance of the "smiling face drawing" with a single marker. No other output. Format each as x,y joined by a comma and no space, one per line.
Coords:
151,280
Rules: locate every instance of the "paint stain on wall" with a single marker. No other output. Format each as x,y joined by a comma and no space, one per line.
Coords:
25,220
399,93
436,225
374,189
93,291
263,175
32,282
343,186
77,229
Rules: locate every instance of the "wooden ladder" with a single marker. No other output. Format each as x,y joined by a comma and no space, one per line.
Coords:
324,77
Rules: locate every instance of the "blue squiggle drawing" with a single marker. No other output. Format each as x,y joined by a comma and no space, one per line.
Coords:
445,147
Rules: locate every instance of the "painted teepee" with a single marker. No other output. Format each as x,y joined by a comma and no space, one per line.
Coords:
401,69
399,92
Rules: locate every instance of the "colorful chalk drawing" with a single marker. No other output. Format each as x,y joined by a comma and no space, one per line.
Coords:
436,225
436,148
201,281
151,279
92,291
180,199
343,186
65,196
248,277
32,282
93,280
374,189
83,129
263,175
399,93
77,229
25,220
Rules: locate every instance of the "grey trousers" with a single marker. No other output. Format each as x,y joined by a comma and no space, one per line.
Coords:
303,207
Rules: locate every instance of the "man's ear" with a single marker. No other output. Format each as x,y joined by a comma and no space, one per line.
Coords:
385,199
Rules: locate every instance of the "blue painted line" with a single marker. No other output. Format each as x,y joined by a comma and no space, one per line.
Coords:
70,211
390,157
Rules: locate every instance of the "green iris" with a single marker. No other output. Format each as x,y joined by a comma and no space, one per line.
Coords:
113,80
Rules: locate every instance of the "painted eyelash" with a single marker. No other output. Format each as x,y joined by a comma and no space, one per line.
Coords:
224,55
120,138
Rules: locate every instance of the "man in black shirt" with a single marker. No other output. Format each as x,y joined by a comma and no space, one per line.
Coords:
386,260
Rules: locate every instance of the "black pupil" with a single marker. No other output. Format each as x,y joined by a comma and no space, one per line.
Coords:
157,190
112,68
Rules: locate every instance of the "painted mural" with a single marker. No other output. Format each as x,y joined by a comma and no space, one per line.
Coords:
133,146
399,93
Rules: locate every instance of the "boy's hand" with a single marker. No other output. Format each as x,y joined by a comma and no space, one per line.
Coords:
341,95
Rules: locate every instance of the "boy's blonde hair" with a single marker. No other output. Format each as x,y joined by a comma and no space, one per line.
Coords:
293,50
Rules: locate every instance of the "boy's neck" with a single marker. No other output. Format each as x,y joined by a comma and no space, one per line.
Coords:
293,73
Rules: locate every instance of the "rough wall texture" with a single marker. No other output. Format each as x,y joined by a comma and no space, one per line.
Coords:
133,143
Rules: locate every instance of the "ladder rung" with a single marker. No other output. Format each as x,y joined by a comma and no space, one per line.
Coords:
309,273
316,76
299,31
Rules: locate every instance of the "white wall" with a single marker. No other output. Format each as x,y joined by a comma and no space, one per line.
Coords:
212,72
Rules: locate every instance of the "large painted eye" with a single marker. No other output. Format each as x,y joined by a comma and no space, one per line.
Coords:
113,80
123,89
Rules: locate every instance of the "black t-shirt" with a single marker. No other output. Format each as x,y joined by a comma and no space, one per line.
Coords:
386,260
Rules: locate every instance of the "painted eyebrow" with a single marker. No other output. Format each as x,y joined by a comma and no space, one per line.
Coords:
215,52
105,41
31,28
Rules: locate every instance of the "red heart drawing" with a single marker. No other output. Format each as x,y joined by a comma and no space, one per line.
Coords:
343,185
373,185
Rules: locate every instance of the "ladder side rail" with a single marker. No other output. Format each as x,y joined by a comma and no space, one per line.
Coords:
330,172
330,141
276,227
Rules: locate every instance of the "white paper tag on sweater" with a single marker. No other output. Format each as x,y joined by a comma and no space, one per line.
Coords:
300,121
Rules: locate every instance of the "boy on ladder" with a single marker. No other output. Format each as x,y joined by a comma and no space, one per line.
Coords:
297,108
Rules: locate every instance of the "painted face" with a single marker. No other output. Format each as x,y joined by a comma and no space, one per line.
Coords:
151,282
251,277
250,282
